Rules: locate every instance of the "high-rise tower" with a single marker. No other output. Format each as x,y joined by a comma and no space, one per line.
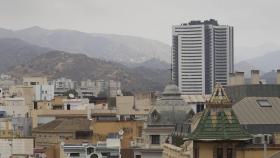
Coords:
202,55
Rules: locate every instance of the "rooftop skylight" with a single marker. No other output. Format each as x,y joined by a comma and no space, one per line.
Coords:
264,103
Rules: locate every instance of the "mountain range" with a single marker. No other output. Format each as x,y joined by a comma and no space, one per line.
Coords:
16,51
265,63
55,64
19,58
118,48
141,64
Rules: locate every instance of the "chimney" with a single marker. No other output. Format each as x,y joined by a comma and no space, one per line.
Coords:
255,76
231,81
278,77
239,78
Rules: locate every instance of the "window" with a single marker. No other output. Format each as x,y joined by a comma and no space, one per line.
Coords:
264,103
83,134
219,152
90,150
155,115
199,107
139,131
155,139
74,154
229,153
68,107
138,156
35,106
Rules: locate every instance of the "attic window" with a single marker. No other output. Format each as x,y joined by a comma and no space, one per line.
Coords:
264,103
155,115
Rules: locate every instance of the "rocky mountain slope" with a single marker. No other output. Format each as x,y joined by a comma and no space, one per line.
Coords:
16,51
118,48
265,63
56,64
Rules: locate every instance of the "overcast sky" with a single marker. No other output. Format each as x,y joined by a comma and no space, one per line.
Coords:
256,22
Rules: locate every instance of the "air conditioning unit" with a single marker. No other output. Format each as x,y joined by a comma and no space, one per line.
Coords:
262,138
258,139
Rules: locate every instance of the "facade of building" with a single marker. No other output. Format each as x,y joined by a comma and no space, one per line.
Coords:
109,149
27,92
32,81
5,83
16,147
87,89
62,85
101,86
15,107
202,55
132,130
170,116
43,92
114,88
15,126
197,102
76,104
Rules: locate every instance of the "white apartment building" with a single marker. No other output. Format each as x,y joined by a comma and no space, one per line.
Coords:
44,92
202,55
61,85
114,88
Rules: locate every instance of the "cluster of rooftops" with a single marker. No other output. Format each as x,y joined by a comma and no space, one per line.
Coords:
225,118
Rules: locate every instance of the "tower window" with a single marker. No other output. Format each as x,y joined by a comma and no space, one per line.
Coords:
219,152
229,153
155,139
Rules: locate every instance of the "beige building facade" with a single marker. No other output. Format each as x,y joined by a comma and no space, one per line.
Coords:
16,147
35,80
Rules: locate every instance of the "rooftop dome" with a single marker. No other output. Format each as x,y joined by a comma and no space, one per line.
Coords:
171,89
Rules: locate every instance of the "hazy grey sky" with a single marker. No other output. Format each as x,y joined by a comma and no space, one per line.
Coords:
256,22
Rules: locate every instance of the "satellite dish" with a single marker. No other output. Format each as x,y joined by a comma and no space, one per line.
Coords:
121,132
71,95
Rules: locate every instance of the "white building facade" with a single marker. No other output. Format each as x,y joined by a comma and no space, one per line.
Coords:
44,92
202,55
16,146
14,106
62,85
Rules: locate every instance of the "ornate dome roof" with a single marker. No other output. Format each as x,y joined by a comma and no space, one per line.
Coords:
170,109
171,89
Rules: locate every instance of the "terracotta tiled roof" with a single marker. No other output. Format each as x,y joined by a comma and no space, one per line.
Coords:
64,125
